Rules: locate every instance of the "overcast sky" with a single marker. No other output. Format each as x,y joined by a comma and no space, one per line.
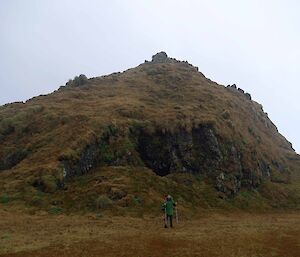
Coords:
253,43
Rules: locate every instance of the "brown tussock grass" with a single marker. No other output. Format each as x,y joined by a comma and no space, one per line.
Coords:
207,234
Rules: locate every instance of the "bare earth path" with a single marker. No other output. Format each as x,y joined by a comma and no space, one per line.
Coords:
226,235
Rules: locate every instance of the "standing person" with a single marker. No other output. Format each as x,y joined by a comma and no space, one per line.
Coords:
62,177
168,206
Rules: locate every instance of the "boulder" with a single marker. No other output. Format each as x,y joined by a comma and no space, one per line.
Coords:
241,90
248,96
160,57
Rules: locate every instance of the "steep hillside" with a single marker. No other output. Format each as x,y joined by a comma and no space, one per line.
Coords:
165,123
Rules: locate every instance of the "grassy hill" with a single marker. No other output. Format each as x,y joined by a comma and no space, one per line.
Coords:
123,141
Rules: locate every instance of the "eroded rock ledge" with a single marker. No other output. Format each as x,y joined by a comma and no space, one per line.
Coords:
199,151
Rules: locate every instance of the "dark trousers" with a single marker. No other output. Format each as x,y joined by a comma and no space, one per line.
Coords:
170,220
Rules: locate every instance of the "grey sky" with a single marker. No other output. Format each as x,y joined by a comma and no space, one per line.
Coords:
253,43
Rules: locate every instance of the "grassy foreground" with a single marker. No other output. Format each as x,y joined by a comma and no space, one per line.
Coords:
235,234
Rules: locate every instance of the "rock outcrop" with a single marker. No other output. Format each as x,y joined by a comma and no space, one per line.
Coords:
200,152
234,88
160,57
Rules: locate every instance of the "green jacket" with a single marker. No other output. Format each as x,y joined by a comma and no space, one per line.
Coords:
168,206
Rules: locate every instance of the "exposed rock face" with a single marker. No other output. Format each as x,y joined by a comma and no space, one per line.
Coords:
234,88
193,152
230,179
160,57
110,149
248,96
198,152
86,161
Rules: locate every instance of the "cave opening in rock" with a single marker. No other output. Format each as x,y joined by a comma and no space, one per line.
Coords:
195,151
154,150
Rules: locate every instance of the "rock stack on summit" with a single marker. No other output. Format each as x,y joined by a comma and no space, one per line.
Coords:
160,57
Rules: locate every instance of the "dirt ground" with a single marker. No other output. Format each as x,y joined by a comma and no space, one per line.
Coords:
210,234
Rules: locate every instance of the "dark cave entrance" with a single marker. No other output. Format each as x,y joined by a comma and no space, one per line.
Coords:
194,151
154,150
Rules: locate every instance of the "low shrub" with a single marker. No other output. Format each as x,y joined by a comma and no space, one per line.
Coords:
11,157
7,126
103,202
36,201
46,183
55,210
225,114
4,199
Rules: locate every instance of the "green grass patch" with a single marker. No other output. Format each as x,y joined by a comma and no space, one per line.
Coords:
4,237
4,199
55,210
249,199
